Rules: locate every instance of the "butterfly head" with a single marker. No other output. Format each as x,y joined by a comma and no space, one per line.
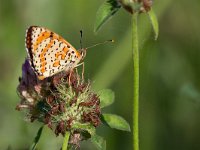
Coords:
83,53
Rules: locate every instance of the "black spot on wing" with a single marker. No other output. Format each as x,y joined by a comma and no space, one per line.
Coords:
51,34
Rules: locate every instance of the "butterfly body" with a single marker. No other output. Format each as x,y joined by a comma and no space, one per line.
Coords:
49,53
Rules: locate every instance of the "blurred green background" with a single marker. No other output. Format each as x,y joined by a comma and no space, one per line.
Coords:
169,74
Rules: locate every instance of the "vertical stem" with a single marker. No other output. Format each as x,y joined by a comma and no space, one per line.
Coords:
135,82
65,141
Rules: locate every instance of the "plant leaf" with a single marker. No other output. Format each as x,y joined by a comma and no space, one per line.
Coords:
99,142
154,22
86,127
115,121
105,12
107,97
37,138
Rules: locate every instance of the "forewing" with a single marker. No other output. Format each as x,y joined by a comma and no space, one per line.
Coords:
48,52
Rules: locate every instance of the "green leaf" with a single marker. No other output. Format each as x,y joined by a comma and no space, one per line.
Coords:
154,23
107,97
99,142
105,12
65,141
86,127
116,122
37,138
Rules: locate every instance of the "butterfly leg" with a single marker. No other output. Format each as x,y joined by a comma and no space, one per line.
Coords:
69,77
83,69
76,70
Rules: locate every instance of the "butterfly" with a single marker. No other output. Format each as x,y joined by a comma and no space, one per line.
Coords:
49,53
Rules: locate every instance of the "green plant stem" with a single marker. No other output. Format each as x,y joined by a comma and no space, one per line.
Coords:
135,82
65,141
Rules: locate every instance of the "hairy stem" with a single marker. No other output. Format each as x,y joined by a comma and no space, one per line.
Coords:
135,82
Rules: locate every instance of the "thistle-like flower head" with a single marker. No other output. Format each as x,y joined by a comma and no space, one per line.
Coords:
64,102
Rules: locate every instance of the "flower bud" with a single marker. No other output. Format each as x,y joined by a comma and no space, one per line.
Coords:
133,6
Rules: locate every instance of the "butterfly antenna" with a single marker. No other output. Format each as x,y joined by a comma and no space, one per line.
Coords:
81,32
99,43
